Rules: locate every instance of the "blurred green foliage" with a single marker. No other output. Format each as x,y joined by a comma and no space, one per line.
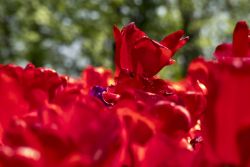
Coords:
67,35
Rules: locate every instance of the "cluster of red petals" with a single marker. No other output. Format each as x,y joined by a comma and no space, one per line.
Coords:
226,125
140,55
134,119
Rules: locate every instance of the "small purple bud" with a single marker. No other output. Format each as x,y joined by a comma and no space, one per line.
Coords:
97,92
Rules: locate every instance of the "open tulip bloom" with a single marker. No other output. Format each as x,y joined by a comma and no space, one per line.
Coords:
131,118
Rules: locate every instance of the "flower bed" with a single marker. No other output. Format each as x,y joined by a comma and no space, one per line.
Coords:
131,118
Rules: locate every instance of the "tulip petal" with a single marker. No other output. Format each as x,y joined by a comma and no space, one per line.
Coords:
240,39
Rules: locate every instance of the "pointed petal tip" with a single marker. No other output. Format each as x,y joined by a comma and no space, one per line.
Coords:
178,33
241,26
240,39
175,40
185,39
116,33
130,25
115,28
242,23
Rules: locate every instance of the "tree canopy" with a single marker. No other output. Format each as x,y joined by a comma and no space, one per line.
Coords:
67,35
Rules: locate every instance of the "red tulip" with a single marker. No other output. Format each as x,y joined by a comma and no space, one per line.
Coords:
227,117
139,54
138,120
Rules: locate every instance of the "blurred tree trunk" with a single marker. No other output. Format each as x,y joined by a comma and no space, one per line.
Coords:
192,50
7,49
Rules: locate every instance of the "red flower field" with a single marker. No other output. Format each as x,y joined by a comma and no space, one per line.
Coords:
131,118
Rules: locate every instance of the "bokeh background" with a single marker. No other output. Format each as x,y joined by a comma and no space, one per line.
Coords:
68,35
